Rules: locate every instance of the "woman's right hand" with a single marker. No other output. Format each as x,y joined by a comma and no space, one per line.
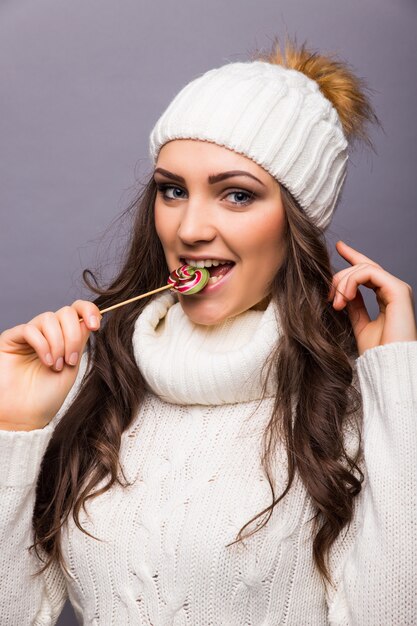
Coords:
33,386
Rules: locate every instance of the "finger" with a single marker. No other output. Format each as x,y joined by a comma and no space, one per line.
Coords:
76,333
72,332
358,314
89,312
29,335
48,324
338,277
352,255
340,289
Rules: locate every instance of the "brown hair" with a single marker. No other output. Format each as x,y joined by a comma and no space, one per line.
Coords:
314,355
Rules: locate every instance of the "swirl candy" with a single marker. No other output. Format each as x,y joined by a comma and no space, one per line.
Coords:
188,279
185,279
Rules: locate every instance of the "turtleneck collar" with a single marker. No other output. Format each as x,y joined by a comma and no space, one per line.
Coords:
187,363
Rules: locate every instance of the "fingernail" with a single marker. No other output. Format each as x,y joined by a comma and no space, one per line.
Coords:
73,358
59,364
49,359
93,321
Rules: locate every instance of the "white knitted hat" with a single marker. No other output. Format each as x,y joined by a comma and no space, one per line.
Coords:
277,117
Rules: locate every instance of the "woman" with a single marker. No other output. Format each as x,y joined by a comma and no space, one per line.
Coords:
243,455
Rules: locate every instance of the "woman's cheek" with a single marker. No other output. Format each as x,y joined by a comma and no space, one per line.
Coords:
162,225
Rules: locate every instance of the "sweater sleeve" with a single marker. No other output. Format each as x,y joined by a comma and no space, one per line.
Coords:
25,599
374,563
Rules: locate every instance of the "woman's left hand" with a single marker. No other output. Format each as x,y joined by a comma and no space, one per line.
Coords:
396,320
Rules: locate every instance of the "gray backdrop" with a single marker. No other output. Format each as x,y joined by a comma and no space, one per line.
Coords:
83,82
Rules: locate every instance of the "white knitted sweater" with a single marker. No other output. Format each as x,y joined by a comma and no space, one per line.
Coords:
193,454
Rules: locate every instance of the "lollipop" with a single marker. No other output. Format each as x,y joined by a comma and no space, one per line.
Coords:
185,279
188,279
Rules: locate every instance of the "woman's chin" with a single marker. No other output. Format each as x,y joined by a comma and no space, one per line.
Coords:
203,312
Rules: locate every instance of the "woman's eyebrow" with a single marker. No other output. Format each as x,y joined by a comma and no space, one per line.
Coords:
214,178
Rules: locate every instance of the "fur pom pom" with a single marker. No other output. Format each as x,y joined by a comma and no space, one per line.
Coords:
336,80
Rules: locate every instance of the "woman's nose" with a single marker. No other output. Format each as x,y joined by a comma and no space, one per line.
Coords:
196,225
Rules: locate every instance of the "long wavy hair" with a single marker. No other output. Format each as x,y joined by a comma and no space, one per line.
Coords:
313,367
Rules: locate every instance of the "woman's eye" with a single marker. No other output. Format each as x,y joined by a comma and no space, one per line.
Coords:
249,197
164,188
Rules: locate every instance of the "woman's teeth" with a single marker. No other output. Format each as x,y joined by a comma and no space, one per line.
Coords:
205,262
217,268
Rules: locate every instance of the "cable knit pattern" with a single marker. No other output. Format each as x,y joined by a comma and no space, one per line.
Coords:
192,456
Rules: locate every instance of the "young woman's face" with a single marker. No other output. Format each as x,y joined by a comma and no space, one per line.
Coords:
239,219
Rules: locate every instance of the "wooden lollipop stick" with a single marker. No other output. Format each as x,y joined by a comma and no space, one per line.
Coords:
115,306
